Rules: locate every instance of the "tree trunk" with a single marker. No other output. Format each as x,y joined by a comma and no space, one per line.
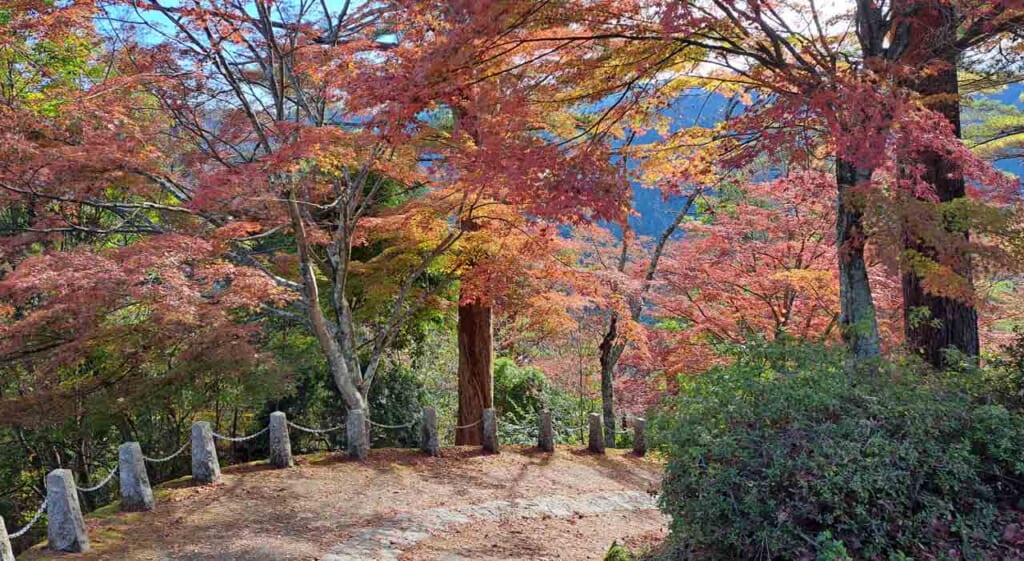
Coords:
476,369
611,350
857,309
84,475
345,379
947,322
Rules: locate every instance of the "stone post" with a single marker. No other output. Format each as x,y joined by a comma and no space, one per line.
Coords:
205,466
490,430
136,493
596,438
65,530
639,436
545,437
6,553
357,434
280,443
428,432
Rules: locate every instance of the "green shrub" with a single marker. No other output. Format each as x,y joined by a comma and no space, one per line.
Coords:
774,451
1001,380
520,393
395,400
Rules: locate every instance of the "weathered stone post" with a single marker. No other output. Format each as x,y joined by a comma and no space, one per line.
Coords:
65,530
136,493
428,432
545,437
205,466
357,434
280,443
595,442
639,436
6,553
490,430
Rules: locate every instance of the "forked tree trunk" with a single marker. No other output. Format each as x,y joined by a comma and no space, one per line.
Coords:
612,346
611,349
945,322
476,369
857,309
346,379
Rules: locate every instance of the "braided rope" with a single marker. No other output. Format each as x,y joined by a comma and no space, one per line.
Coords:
471,425
24,530
167,458
314,431
405,426
101,484
519,427
240,438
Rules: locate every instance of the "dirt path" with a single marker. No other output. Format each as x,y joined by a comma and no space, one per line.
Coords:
398,506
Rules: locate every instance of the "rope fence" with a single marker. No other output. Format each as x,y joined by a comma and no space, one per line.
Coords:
520,427
469,426
136,494
167,458
240,438
314,431
27,527
405,426
101,484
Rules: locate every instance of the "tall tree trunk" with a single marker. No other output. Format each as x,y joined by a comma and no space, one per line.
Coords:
611,349
476,369
947,322
857,309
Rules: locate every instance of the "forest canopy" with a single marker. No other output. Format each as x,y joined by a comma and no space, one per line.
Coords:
215,209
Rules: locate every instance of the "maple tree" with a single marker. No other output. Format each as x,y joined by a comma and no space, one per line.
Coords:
819,81
759,264
272,159
623,269
272,155
616,67
186,188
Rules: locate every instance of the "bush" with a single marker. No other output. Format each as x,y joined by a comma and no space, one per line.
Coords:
395,399
520,393
1002,380
780,456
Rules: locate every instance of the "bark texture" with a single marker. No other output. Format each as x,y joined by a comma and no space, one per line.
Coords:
931,46
857,309
476,370
611,348
357,434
